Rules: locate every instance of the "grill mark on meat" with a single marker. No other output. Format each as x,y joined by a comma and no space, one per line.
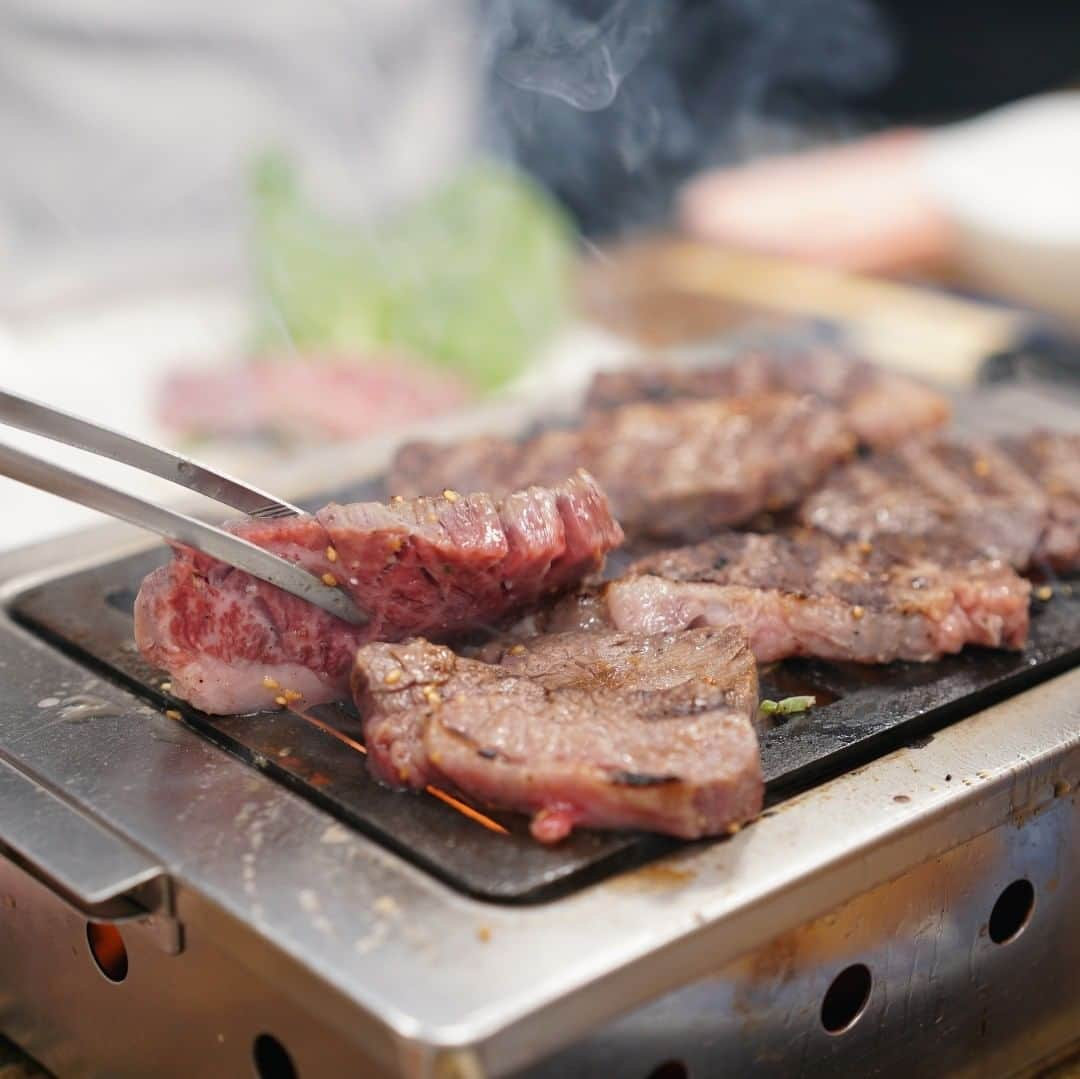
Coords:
1052,460
640,779
808,595
677,470
608,730
221,633
997,498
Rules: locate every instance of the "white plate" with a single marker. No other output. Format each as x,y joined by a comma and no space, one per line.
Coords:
1010,182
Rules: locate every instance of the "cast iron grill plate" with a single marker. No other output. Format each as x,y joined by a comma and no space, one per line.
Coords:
862,712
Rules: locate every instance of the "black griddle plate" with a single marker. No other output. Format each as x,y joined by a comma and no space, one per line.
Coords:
863,712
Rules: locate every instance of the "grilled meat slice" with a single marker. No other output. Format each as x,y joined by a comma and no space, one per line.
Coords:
605,730
667,674
232,643
474,464
883,407
807,594
689,468
676,470
973,495
1052,460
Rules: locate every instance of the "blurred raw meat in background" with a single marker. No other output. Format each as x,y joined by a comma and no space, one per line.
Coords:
324,398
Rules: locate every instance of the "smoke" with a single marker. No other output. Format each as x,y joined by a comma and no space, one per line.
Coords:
614,103
568,57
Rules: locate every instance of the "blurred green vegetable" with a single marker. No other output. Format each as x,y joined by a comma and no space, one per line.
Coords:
475,277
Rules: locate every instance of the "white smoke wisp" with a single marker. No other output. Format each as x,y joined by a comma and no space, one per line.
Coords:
565,56
613,103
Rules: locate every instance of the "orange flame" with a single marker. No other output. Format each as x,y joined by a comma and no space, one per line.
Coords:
463,808
467,810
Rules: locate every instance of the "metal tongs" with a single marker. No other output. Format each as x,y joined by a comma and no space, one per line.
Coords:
40,419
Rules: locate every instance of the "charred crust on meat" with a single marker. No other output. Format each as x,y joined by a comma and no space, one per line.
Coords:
641,779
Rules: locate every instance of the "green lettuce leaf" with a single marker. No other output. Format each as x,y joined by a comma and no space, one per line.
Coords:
475,277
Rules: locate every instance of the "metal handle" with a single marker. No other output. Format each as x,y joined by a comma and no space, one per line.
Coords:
216,542
91,869
41,419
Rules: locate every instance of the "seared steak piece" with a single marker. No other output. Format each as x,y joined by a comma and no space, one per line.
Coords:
474,464
232,643
689,468
974,494
668,674
883,408
1052,460
676,470
807,594
605,730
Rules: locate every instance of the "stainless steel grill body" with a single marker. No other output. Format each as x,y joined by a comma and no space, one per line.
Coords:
247,910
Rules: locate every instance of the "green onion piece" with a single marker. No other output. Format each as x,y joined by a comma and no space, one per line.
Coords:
788,706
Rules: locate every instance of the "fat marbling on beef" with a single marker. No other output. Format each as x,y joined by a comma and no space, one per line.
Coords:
883,407
681,469
436,566
1017,499
806,594
607,730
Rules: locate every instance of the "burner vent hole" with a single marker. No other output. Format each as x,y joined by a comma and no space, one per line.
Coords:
846,998
670,1069
272,1060
108,950
1012,911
